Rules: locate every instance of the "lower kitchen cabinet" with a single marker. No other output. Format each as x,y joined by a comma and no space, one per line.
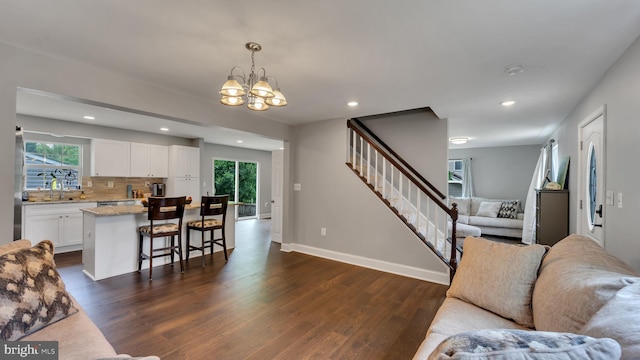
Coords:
60,223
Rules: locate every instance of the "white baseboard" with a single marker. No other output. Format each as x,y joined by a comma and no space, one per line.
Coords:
398,269
265,216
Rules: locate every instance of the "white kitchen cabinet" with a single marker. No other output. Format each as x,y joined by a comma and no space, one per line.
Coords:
184,186
184,171
184,161
149,160
60,223
110,158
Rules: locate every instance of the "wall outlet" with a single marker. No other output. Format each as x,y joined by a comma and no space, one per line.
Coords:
323,231
147,183
109,184
89,183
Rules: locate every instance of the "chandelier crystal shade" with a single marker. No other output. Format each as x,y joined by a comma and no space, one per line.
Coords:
255,90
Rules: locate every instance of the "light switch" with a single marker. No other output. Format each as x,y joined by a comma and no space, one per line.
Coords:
297,186
609,198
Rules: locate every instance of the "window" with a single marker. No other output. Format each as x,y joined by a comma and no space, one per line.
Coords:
455,177
52,165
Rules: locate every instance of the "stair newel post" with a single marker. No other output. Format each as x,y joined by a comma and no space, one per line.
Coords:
453,261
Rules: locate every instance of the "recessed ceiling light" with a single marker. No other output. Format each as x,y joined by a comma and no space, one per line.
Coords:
513,69
459,140
507,103
281,148
89,117
352,103
239,141
164,129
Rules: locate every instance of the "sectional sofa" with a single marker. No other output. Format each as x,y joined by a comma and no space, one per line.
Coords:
572,301
500,217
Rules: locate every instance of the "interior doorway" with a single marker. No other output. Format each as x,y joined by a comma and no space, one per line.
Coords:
239,179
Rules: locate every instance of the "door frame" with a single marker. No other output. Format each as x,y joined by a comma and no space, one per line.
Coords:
582,154
237,191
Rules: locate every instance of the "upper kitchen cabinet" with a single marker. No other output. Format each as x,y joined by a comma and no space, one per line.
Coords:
110,158
184,161
148,160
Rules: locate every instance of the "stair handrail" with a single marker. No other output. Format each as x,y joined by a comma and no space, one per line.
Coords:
390,151
452,263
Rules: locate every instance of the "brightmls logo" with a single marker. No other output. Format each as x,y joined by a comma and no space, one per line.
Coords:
31,350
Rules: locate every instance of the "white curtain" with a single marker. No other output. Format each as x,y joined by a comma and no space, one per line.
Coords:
537,181
467,179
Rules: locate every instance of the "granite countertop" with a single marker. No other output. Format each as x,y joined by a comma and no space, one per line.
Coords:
72,201
127,209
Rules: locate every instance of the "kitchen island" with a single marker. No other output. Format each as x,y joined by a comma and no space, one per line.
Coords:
110,238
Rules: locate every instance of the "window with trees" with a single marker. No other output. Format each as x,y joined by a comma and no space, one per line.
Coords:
52,166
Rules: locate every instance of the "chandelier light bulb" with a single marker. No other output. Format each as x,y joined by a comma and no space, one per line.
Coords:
259,93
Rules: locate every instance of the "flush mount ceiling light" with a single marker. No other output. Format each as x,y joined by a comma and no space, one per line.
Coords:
513,69
507,103
352,103
89,117
257,90
459,140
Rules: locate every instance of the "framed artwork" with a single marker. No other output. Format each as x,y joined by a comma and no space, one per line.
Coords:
563,173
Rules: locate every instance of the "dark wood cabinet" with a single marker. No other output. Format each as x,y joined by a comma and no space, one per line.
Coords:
552,216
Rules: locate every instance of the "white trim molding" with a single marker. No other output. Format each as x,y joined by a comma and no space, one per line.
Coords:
393,268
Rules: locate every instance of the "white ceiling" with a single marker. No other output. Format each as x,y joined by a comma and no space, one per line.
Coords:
389,56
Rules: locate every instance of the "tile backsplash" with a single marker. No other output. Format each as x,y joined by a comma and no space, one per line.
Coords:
100,189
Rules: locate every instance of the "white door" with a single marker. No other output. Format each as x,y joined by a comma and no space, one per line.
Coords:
591,205
277,173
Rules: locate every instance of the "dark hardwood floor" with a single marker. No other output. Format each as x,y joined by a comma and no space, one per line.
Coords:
262,304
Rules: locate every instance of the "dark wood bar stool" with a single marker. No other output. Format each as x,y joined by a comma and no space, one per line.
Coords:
209,206
162,209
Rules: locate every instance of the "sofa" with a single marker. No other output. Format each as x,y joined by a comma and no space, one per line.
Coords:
570,301
35,306
500,217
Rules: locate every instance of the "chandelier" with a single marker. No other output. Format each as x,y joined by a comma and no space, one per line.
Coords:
259,93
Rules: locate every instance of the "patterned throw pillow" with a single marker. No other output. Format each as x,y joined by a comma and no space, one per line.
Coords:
509,209
502,344
33,295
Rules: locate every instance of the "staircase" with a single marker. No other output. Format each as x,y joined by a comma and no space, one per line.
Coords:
409,195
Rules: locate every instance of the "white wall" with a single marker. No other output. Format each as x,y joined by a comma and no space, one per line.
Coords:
21,68
263,158
331,196
619,90
412,135
501,172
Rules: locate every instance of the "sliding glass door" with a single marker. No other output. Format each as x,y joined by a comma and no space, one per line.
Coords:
239,180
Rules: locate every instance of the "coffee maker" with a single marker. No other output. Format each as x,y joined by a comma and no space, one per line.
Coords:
158,189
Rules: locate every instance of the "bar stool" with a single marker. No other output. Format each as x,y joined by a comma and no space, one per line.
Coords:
162,209
209,206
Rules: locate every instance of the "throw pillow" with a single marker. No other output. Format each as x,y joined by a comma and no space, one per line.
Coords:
33,294
14,245
498,277
509,209
489,209
522,344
